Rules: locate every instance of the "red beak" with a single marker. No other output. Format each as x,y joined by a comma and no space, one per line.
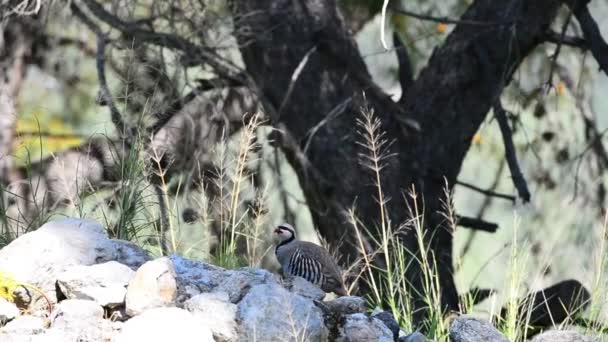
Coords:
277,230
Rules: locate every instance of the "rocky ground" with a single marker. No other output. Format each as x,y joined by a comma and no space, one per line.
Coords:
102,289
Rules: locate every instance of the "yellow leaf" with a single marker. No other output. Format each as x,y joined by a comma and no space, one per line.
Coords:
442,27
561,89
477,139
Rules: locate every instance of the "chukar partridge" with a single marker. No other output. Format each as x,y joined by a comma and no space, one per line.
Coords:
307,260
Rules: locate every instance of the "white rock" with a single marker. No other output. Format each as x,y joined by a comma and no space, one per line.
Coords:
154,285
8,311
58,245
104,283
471,329
162,325
361,328
25,325
215,311
269,312
78,319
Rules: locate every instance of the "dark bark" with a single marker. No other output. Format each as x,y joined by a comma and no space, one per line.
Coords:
447,103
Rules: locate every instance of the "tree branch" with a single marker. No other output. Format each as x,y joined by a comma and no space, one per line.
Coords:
105,98
510,154
557,38
447,20
476,224
486,192
191,50
591,31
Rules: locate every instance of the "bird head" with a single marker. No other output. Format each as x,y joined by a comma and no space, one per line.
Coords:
284,232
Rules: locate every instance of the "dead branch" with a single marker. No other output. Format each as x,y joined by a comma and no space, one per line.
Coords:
518,178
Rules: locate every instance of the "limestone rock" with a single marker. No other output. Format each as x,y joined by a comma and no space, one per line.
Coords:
162,325
78,319
413,337
269,312
361,328
347,305
304,288
470,329
26,325
239,282
104,283
8,311
562,336
154,285
59,245
215,311
389,321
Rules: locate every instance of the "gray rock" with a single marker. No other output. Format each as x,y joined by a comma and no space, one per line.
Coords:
77,319
269,312
304,288
239,282
58,245
154,285
413,337
104,283
8,311
389,321
562,336
128,253
162,325
470,329
347,305
25,325
215,311
361,328
195,277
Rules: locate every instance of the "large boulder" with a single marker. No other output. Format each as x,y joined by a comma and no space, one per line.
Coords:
269,312
239,282
471,329
162,325
154,285
80,320
38,257
104,283
361,328
215,311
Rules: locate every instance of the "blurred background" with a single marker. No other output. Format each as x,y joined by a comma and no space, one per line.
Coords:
559,233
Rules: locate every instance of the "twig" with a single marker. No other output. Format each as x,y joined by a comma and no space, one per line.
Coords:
489,193
191,50
549,83
406,76
510,154
447,20
179,104
294,78
104,92
557,38
476,224
482,209
591,32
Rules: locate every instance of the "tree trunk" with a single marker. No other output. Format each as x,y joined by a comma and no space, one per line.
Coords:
447,103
